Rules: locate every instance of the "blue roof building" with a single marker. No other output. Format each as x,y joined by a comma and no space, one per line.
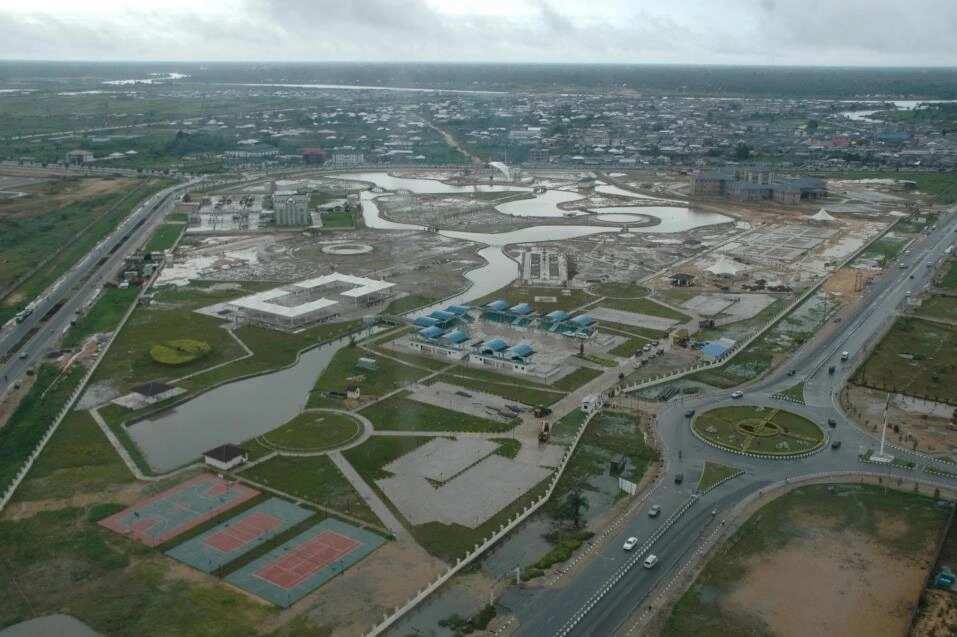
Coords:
425,321
458,310
521,351
495,346
715,350
497,306
522,309
457,337
431,332
583,320
557,316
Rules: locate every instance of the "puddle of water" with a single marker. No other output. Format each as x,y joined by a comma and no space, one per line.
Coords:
230,413
672,219
543,205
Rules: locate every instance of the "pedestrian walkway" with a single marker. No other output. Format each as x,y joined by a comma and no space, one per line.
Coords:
375,503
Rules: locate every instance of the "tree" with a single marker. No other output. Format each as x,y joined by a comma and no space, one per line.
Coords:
574,506
742,151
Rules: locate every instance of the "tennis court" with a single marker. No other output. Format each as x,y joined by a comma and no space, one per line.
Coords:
239,535
306,562
165,515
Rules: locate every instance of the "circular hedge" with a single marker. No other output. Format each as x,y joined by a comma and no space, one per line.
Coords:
180,351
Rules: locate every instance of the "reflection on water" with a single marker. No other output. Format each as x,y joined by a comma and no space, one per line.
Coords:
672,219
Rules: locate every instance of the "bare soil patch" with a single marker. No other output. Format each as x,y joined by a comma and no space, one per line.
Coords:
55,194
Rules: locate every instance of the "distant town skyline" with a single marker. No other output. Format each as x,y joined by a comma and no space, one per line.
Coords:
761,32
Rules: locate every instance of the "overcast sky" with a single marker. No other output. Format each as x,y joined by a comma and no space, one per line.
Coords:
802,32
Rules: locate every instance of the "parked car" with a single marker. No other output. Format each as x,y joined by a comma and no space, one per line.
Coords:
654,510
650,561
830,370
737,394
630,543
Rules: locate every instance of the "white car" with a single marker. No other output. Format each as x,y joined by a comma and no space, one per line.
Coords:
737,394
650,561
630,543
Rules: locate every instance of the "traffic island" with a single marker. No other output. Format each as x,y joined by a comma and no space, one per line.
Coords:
759,431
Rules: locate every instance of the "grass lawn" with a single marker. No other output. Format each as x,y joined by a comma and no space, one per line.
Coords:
795,392
862,510
312,431
941,307
941,186
338,220
756,430
510,389
630,346
164,237
403,414
645,306
343,371
917,358
408,303
565,299
620,329
884,249
116,586
620,290
35,413
78,459
567,426
378,451
714,473
950,278
103,316
576,379
314,479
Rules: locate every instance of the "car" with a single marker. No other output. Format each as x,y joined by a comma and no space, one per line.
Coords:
792,372
650,561
845,355
830,370
911,276
630,543
654,510
831,423
689,413
22,355
907,293
836,445
679,478
737,394
646,348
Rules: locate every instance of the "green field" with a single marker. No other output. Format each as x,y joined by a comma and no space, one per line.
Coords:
508,388
314,479
408,303
884,249
795,392
941,186
103,316
759,430
917,358
864,512
620,290
343,371
338,220
33,416
645,306
949,280
311,431
64,234
939,307
403,414
164,237
609,435
712,474
576,379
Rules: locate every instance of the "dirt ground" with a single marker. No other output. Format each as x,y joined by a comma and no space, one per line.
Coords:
847,284
843,577
56,194
938,615
358,598
936,436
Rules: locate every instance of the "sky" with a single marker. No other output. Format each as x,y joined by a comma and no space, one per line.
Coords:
775,32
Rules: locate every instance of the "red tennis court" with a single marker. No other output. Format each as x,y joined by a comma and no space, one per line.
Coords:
239,534
307,559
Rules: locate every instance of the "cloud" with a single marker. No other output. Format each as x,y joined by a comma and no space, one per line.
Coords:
848,32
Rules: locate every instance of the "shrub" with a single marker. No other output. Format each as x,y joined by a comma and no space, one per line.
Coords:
180,351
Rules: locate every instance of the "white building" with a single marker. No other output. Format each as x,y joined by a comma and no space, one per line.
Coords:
315,300
225,457
291,209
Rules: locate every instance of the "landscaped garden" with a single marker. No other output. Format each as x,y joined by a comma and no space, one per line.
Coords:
759,430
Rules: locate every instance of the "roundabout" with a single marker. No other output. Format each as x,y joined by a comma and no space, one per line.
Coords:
759,430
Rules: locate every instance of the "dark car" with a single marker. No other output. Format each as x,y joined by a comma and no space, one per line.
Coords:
830,370
679,478
831,423
836,444
689,413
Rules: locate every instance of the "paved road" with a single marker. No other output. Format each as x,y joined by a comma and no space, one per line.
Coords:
78,286
552,611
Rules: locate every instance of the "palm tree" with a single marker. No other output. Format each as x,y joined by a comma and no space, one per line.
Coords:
575,505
